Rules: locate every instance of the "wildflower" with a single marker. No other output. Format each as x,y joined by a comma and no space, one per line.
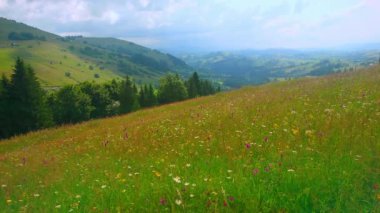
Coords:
177,179
266,139
291,170
186,184
225,203
188,165
157,174
295,131
376,186
248,145
58,206
163,201
103,186
309,133
36,195
255,171
178,202
9,201
191,195
118,176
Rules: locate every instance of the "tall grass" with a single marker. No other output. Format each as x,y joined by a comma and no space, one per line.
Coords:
297,146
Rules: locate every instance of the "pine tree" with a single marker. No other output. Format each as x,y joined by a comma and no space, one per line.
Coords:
172,89
142,97
26,100
151,96
128,98
193,85
4,108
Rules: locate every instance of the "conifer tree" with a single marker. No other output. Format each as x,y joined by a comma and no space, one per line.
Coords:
128,97
142,97
172,89
193,86
151,96
4,108
26,101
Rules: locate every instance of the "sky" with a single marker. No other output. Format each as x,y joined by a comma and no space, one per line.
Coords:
188,25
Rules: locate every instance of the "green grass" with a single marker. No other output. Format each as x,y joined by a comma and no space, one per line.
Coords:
110,58
296,146
51,62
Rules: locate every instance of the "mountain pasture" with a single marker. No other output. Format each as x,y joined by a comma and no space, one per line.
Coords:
290,146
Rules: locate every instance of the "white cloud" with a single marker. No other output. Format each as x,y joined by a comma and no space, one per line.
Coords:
3,4
110,16
144,3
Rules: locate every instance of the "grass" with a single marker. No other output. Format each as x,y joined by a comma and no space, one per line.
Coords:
109,58
51,62
295,146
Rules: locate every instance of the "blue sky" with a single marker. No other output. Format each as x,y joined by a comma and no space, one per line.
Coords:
207,24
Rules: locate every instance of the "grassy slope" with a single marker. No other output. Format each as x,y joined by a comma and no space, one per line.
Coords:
45,57
314,144
51,62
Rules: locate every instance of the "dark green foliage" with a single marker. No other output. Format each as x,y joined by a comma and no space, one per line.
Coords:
197,87
147,98
193,85
172,89
24,106
206,88
151,96
71,105
100,99
128,96
4,108
23,103
24,36
113,88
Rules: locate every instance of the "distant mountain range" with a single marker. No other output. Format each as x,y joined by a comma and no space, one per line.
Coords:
237,68
66,60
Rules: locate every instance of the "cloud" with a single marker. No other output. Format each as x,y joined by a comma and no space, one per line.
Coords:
3,4
213,24
111,16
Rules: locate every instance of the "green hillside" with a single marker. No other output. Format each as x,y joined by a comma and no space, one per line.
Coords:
307,145
239,68
67,60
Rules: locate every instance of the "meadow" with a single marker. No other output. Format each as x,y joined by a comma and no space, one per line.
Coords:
52,63
306,145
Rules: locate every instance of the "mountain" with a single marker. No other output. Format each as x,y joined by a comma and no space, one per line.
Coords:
238,68
64,60
305,145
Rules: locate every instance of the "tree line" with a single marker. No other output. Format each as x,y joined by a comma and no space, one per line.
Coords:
25,106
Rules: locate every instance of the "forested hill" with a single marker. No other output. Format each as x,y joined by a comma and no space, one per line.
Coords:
65,60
